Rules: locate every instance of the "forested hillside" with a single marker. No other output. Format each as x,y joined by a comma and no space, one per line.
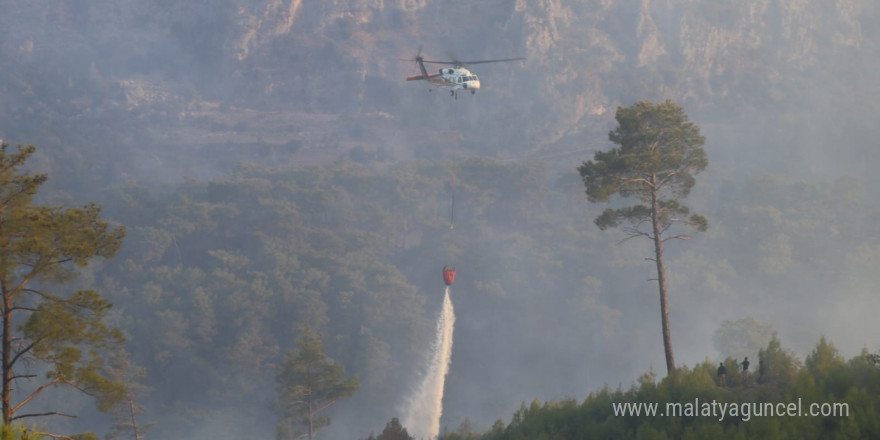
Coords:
825,397
216,277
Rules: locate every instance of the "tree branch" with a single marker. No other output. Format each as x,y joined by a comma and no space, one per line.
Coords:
35,269
77,387
51,413
633,233
677,237
24,376
322,408
21,286
644,180
23,351
34,394
666,178
40,293
49,434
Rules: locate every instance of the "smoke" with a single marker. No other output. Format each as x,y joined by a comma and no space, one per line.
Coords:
425,406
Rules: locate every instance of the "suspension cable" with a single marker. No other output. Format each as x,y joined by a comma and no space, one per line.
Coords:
454,151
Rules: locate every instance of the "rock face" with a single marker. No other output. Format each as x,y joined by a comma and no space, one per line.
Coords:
583,59
344,56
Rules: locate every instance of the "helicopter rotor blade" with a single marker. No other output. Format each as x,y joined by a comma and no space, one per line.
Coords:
492,61
416,58
438,62
453,60
456,62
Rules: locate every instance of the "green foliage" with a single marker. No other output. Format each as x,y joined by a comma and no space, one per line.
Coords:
595,416
465,431
216,276
776,365
18,432
42,249
13,432
394,431
308,383
659,154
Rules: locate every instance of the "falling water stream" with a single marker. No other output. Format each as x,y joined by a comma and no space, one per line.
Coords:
425,406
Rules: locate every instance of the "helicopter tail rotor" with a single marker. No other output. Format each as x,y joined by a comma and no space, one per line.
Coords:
419,62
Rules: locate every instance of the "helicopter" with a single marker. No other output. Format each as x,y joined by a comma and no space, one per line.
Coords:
454,78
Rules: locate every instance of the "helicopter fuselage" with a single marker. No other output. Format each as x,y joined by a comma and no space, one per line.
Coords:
452,78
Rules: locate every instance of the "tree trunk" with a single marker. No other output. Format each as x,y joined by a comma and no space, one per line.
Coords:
311,415
661,281
134,424
6,392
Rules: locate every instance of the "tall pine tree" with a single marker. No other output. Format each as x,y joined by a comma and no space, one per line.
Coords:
41,249
659,152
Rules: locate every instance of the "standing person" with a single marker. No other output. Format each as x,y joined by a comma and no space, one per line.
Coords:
722,373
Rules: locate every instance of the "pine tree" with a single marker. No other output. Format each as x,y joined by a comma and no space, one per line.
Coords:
659,153
41,249
394,431
308,383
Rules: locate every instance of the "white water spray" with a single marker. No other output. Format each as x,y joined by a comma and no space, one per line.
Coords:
425,406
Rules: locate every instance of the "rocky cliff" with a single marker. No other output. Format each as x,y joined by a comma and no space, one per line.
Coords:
722,60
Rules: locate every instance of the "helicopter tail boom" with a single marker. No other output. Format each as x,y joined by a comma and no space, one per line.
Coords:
420,77
420,60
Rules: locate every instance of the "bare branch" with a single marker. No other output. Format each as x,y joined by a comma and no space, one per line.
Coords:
24,350
24,376
49,434
666,179
645,180
322,408
634,235
77,387
42,294
51,413
677,237
34,394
